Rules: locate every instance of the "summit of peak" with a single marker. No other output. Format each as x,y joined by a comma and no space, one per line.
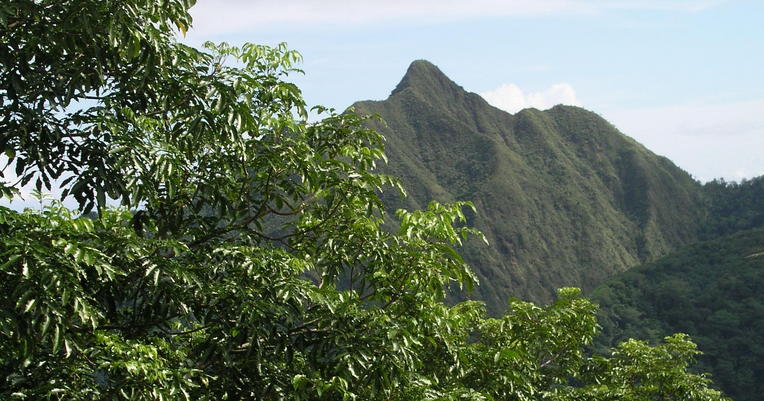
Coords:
423,75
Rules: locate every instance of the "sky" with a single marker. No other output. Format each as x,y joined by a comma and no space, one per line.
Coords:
685,78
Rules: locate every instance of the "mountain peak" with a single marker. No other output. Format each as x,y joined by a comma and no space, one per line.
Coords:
425,76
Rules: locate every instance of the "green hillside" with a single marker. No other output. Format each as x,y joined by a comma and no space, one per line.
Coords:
563,197
733,206
711,291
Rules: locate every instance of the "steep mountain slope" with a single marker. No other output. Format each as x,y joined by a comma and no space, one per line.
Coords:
562,196
711,291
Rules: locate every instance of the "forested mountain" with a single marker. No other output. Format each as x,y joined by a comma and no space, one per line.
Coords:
563,197
711,291
189,291
733,206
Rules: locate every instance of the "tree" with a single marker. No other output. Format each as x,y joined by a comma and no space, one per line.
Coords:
249,257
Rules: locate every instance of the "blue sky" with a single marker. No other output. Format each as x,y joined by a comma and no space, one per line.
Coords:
685,78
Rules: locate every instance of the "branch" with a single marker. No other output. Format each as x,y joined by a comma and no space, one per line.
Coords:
302,326
180,333
137,326
261,212
14,24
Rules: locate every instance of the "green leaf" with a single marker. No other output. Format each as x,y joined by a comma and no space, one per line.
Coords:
30,305
56,338
12,261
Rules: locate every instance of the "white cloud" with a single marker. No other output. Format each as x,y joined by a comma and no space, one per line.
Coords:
232,16
219,17
664,5
709,140
511,98
25,198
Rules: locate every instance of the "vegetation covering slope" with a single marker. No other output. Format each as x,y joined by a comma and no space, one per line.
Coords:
563,197
164,300
711,291
733,206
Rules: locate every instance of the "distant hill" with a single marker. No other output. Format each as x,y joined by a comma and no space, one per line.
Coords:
713,291
733,206
563,197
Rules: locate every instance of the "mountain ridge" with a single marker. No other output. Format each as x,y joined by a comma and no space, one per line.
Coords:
564,198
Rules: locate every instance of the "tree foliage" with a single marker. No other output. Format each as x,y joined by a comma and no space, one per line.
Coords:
249,258
710,291
734,206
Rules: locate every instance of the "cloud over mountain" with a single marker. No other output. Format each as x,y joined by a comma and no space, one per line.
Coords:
509,97
247,15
